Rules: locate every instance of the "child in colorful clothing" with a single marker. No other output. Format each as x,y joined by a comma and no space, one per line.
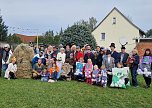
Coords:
95,75
45,75
103,76
53,71
79,75
88,68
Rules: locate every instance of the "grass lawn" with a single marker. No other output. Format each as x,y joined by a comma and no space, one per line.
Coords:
28,93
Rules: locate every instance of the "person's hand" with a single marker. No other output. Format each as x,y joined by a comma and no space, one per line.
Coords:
131,61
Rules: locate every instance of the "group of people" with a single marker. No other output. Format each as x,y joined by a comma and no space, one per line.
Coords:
48,61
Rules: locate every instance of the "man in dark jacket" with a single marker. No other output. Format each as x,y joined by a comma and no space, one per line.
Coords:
123,56
114,54
89,55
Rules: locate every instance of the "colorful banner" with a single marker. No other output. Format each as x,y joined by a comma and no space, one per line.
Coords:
119,75
79,68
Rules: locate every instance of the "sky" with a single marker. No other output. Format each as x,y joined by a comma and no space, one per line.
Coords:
34,17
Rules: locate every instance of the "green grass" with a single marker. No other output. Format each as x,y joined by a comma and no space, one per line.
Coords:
28,93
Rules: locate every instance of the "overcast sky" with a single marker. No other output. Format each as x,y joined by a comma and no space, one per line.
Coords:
25,16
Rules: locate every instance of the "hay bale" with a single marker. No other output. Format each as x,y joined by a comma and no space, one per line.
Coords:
24,54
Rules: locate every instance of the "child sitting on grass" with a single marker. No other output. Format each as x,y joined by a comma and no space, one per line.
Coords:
88,68
45,75
11,70
54,71
95,75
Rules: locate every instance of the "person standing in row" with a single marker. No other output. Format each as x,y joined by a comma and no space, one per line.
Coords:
146,63
134,61
114,53
6,55
108,62
89,55
123,56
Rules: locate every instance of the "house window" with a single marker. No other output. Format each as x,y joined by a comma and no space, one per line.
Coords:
114,20
103,36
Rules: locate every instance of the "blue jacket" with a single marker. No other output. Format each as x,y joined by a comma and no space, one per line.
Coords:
136,61
116,57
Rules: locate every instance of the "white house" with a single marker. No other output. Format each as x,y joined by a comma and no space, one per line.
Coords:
115,27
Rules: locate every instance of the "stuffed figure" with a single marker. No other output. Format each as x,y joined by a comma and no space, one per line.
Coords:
24,54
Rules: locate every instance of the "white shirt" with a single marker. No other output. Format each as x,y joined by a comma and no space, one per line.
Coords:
11,68
109,59
61,56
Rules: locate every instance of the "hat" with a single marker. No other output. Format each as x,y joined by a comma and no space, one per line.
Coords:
60,45
14,59
112,45
123,47
108,52
78,47
6,46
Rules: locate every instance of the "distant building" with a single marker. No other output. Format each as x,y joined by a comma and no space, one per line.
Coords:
142,44
26,39
115,26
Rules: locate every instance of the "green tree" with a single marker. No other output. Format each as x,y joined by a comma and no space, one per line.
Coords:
90,24
79,35
13,39
149,34
49,38
3,30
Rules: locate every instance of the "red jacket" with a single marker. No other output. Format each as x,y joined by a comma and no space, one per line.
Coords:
79,55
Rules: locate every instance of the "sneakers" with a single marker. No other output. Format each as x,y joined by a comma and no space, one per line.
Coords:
147,86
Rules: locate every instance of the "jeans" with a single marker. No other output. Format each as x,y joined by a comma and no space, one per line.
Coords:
134,76
54,75
4,67
44,79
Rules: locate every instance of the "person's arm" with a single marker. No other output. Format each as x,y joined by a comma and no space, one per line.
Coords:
34,69
137,59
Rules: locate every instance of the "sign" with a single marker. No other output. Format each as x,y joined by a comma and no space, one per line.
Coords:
119,75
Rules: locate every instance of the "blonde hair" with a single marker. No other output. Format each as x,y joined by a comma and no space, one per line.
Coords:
89,60
62,49
95,67
135,50
103,67
13,59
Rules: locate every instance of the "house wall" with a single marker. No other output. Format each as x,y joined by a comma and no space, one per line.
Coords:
114,32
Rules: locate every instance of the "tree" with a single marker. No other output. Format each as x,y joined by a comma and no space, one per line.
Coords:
79,35
13,39
149,34
91,24
49,38
3,30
